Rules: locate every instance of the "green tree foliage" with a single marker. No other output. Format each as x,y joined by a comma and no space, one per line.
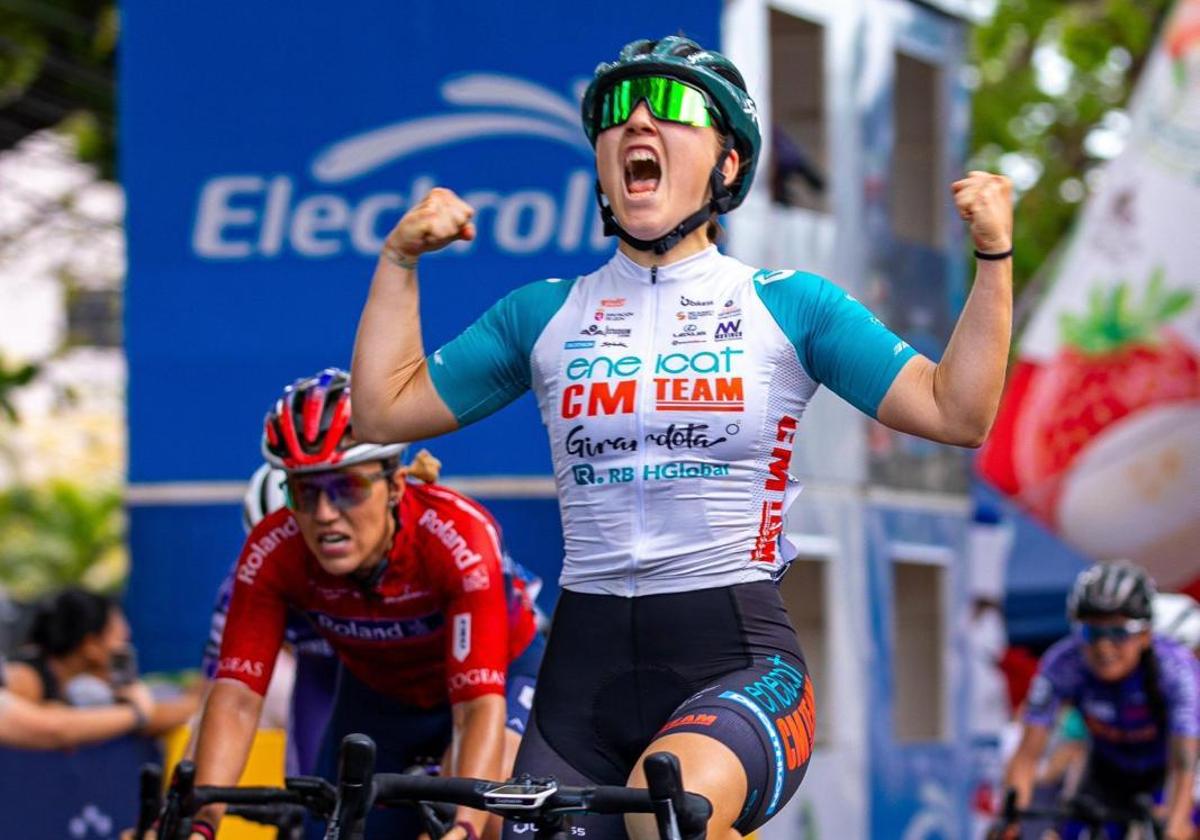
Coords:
1039,123
12,378
57,63
60,534
57,60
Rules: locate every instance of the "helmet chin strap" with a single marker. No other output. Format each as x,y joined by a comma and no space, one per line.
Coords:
719,202
370,581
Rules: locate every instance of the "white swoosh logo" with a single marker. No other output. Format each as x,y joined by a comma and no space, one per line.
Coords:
508,92
554,119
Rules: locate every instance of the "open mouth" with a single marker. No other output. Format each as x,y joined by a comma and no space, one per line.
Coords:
642,171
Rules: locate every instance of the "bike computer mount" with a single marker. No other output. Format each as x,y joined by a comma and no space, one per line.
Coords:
524,793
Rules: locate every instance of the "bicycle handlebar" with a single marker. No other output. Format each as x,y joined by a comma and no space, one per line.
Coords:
250,796
1083,809
674,811
356,762
282,816
680,815
149,798
396,788
177,810
280,807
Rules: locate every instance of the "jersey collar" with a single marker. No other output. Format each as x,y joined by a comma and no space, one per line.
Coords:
695,267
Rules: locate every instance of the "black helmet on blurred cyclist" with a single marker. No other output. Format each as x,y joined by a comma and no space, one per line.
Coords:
1111,589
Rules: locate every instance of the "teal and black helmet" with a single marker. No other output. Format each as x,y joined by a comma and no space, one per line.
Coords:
714,74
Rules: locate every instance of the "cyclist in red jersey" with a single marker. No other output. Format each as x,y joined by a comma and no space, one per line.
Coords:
409,584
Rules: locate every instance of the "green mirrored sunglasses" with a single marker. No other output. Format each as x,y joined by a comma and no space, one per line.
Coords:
667,99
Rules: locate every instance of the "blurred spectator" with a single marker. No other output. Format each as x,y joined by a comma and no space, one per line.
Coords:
75,634
78,653
8,621
794,177
28,725
988,640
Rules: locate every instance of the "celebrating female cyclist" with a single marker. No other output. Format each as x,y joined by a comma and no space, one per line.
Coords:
1138,693
408,585
671,381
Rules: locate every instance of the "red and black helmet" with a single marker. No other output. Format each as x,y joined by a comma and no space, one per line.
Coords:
308,428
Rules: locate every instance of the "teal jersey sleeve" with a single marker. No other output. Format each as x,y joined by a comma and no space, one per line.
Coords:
839,342
487,366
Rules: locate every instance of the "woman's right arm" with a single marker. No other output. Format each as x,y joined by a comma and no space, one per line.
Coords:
250,643
226,734
394,396
32,726
23,681
1022,768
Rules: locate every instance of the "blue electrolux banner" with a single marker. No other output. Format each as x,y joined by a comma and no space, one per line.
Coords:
266,151
84,794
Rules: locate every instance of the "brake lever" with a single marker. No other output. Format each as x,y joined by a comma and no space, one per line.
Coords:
316,794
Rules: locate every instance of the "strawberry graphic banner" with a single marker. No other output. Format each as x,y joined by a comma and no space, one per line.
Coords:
1099,431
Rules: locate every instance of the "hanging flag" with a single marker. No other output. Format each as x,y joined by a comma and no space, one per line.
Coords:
1099,431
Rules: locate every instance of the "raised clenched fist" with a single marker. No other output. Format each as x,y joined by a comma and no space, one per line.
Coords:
438,219
984,201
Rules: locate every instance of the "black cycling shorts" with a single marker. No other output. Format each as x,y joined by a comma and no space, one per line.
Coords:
619,672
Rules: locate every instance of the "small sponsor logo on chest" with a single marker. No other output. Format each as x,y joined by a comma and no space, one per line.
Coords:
681,381
408,593
462,636
728,330
1101,710
376,629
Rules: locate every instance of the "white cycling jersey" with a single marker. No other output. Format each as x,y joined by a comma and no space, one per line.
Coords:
672,397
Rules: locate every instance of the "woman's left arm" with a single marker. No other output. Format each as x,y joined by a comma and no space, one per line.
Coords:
477,750
23,681
955,400
1179,787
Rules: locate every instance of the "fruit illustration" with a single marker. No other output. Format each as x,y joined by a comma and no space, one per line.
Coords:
1116,360
1183,30
1134,492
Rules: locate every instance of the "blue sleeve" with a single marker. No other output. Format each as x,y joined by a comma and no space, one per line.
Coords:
216,626
487,366
839,342
1179,676
1058,671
